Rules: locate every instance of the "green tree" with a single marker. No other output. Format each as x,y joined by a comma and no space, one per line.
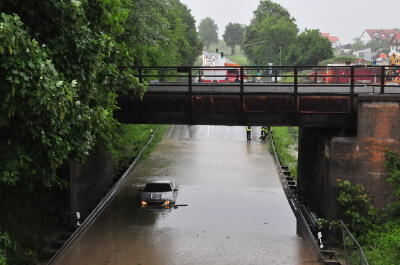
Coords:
42,120
233,35
358,45
153,29
310,48
268,8
271,30
382,46
375,45
208,31
265,38
63,65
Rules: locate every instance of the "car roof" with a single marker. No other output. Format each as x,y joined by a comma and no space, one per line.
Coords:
160,182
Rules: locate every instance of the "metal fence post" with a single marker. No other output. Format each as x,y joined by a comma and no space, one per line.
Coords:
383,77
295,86
315,76
241,89
140,75
190,80
352,80
190,94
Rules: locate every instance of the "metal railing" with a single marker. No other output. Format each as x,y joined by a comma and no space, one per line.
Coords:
353,252
296,77
101,206
298,208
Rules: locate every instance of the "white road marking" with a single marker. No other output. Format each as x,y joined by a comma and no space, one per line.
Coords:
170,131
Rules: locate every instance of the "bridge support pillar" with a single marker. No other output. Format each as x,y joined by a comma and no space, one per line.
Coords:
328,154
90,182
314,185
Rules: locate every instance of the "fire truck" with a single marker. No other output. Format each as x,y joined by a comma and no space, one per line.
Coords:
230,75
341,74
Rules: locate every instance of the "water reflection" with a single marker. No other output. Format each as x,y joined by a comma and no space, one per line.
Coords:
237,212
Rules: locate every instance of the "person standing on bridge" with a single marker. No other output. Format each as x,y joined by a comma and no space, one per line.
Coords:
248,132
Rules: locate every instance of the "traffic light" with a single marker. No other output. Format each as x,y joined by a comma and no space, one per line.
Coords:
216,50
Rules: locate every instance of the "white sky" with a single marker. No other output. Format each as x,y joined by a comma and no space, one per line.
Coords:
344,18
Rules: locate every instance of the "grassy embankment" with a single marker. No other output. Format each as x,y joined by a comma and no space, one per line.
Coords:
133,139
285,139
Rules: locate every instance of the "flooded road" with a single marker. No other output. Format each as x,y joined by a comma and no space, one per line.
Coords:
237,212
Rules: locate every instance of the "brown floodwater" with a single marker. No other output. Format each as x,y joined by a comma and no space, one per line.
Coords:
236,212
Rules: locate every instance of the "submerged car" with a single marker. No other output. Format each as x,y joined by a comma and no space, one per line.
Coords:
159,193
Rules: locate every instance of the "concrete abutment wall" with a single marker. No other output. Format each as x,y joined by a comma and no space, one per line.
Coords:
326,154
90,182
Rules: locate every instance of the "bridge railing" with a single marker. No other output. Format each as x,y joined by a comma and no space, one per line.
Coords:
291,79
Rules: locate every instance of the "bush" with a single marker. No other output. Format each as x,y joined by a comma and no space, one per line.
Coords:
384,244
357,211
339,59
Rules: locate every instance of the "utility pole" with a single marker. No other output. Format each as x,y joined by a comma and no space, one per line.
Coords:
280,56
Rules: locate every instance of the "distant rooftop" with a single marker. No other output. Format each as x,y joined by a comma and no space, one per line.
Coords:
332,39
381,34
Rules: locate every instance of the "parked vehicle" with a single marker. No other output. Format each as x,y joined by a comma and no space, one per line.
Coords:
159,193
221,75
341,74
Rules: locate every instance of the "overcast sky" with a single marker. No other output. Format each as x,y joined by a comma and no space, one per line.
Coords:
344,18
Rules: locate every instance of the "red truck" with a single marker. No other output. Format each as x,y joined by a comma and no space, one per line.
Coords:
220,75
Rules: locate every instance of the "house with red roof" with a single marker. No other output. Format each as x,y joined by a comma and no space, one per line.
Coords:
395,44
378,34
333,39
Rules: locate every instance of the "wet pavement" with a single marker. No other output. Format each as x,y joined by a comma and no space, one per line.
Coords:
236,212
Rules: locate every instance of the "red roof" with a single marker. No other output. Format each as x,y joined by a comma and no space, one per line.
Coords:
381,34
396,37
332,39
396,40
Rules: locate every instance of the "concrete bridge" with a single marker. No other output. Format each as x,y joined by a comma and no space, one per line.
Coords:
347,116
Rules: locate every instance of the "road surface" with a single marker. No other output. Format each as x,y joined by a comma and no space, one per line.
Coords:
237,212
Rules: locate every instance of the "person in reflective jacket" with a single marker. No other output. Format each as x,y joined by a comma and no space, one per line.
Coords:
265,131
248,132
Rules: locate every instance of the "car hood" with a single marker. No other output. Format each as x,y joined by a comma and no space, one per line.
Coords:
157,196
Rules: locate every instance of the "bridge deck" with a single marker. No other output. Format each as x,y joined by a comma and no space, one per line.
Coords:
305,100
169,87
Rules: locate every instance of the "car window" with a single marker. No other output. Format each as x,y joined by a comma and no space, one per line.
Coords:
157,187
